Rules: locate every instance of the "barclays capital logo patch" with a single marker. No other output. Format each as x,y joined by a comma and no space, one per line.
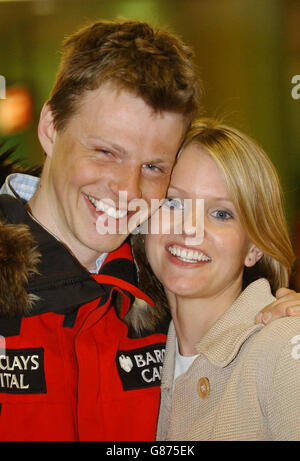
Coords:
141,368
126,363
22,371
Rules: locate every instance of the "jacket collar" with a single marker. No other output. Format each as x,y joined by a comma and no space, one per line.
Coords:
222,342
224,339
60,273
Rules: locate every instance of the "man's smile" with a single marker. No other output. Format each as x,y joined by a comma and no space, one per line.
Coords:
111,211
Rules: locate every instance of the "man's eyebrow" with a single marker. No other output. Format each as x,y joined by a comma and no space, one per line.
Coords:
123,151
113,145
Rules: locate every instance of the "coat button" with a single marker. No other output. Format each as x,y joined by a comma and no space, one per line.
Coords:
203,388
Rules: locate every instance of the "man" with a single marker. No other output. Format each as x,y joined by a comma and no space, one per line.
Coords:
72,368
122,101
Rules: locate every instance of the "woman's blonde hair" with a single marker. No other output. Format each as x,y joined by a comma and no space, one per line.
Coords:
253,185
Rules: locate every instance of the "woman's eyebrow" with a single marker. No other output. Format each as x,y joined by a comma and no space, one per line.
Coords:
211,196
221,199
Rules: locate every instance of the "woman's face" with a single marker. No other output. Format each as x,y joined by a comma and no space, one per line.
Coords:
216,264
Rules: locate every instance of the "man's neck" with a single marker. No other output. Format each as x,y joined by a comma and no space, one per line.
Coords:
87,258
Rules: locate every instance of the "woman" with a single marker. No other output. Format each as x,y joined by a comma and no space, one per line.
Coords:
225,377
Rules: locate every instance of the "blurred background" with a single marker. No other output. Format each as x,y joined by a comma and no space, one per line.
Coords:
247,52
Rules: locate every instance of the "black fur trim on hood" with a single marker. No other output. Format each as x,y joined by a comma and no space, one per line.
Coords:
141,317
18,260
18,252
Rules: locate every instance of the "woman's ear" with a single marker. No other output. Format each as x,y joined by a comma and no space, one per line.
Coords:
46,130
253,255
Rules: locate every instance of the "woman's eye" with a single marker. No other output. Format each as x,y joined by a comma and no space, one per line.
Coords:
173,203
223,215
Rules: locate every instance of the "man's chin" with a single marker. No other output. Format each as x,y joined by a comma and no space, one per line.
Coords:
108,243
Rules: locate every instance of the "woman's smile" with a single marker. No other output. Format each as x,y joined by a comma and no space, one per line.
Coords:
181,254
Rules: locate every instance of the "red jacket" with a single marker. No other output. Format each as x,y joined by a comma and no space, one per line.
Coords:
74,373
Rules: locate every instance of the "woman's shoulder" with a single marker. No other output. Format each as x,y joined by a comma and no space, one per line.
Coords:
270,339
278,333
275,351
272,366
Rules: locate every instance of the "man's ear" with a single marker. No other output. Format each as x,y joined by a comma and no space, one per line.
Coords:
46,130
253,255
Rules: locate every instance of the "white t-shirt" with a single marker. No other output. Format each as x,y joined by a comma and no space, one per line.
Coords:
182,362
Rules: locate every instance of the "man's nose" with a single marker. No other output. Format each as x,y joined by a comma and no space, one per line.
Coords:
129,181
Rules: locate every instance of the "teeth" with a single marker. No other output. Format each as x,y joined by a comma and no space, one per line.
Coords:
109,210
183,254
188,255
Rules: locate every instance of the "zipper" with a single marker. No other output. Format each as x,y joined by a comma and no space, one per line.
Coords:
105,308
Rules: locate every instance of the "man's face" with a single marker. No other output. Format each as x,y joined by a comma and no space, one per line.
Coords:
115,142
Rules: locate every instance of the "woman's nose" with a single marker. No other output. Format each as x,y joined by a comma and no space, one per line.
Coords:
193,221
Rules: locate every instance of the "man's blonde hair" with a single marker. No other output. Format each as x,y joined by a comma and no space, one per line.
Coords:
254,187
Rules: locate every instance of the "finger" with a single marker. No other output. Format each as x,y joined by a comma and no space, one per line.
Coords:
283,292
287,305
293,310
277,310
263,317
267,313
281,304
292,297
266,317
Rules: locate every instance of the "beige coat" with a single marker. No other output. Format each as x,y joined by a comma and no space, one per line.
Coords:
252,385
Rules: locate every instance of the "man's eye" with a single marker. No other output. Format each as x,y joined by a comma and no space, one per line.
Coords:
151,167
173,203
223,215
103,151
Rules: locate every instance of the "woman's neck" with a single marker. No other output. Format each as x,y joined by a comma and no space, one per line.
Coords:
193,317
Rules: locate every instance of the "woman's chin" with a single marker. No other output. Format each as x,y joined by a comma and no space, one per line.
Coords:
185,289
